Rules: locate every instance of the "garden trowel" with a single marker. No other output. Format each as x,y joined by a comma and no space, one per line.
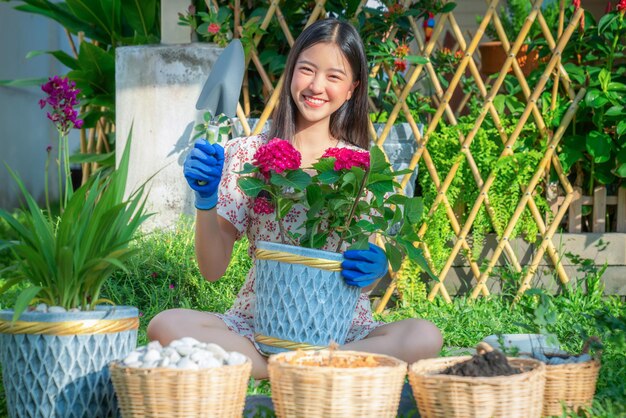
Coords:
220,94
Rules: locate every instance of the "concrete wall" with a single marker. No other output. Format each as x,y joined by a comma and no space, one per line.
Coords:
156,91
25,131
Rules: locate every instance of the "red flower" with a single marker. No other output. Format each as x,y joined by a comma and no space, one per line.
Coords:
399,65
621,6
213,28
402,51
262,206
608,8
277,155
576,4
395,9
346,158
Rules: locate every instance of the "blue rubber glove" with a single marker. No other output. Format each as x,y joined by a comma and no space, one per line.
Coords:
203,171
363,267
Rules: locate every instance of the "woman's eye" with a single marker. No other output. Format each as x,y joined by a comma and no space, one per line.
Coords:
306,70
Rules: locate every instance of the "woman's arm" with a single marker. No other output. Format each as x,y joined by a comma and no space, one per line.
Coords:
215,239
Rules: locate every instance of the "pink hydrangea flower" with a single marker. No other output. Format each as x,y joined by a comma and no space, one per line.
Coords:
346,158
262,206
277,155
213,28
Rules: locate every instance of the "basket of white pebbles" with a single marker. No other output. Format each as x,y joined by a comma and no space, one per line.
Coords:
187,378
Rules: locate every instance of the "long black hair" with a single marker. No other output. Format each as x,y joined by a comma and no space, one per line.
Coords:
349,122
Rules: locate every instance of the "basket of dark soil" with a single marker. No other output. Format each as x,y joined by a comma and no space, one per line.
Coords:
487,384
570,381
331,383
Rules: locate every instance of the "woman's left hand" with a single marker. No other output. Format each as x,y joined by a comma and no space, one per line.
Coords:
363,267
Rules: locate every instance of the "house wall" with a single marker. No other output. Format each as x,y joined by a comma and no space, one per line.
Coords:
24,130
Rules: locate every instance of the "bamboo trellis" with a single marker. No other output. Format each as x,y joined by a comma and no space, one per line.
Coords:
487,91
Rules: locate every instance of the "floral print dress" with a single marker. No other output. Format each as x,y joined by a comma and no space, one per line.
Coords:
236,207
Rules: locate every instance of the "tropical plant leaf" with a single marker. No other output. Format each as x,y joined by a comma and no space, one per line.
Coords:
23,300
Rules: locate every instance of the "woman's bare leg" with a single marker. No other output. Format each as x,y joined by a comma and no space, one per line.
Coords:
409,340
177,323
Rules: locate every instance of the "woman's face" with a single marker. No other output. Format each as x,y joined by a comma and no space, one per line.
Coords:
322,82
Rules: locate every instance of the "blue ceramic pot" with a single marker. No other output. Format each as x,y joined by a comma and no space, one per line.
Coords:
299,303
48,374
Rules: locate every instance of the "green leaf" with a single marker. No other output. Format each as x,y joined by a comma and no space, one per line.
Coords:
595,99
284,206
63,57
313,194
92,158
599,146
417,59
413,210
251,186
604,78
23,82
621,163
615,111
448,7
297,179
605,22
621,128
23,300
91,12
378,163
140,15
394,256
328,177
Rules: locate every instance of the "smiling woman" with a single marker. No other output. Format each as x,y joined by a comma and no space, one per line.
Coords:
322,82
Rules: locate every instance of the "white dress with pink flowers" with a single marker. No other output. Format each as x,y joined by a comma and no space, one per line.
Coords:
236,207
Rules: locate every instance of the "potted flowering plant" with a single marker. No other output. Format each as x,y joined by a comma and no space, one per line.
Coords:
349,196
54,356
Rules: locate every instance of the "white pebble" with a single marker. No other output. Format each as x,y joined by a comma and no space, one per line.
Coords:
149,364
42,307
56,309
209,362
235,358
152,356
218,351
185,353
189,341
175,343
154,345
199,355
74,310
184,350
186,364
132,358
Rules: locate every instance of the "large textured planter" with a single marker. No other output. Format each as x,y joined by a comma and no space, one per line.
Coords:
302,300
55,364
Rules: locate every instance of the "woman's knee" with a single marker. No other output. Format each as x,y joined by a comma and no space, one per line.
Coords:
161,325
425,336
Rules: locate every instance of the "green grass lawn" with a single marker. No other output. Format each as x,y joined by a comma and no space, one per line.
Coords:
164,275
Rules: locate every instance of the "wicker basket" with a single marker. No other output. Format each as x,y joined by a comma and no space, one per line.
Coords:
319,391
572,385
161,392
438,395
